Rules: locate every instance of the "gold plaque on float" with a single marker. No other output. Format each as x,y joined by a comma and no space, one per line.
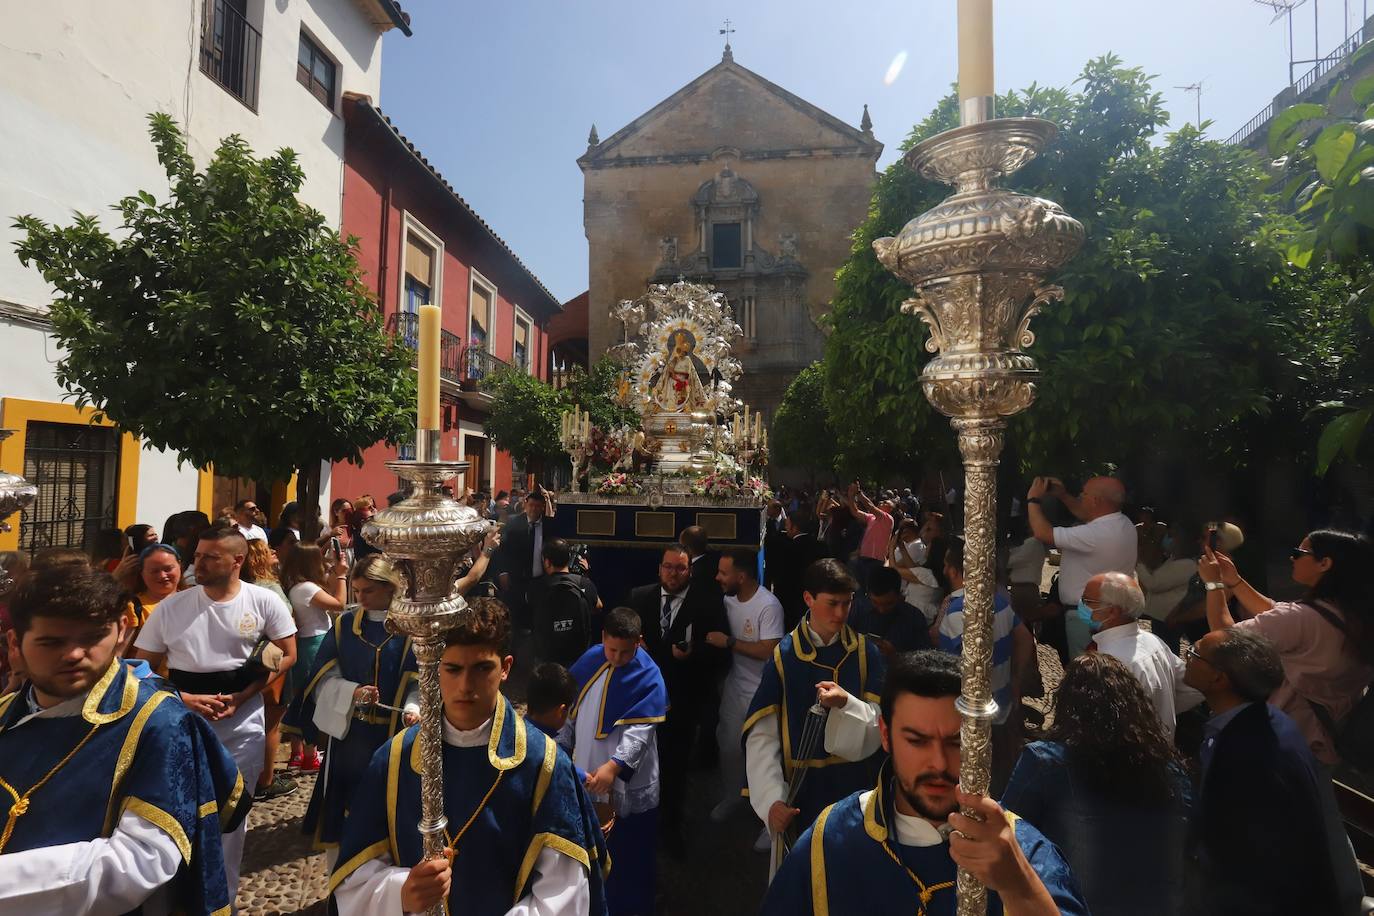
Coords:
597,522
655,525
719,526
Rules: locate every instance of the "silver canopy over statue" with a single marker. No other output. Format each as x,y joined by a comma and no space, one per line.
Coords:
677,376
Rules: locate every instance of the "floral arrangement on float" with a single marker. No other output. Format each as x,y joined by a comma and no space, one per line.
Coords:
618,483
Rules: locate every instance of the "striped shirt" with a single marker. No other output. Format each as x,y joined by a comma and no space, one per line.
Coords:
1004,621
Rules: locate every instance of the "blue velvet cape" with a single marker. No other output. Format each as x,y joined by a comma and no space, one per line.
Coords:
634,694
844,866
392,669
537,803
148,755
788,689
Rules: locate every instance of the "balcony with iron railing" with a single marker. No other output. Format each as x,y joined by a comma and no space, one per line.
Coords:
1304,84
230,50
467,367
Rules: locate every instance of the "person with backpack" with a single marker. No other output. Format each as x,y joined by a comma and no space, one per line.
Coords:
562,608
1325,641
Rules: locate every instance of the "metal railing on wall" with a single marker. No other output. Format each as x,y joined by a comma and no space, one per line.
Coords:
1304,83
231,51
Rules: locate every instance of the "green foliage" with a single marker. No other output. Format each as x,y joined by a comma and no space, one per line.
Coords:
525,412
1327,162
1172,320
595,392
229,324
801,434
524,416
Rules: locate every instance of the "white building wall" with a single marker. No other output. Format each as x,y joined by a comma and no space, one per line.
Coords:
77,81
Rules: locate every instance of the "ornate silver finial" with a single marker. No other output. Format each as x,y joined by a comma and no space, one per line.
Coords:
592,138
866,123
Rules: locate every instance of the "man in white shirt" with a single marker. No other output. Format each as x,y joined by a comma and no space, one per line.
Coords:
755,619
1112,604
1105,542
246,520
207,636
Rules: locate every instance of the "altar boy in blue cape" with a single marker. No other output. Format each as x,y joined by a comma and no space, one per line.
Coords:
113,794
621,699
522,834
822,660
358,664
881,851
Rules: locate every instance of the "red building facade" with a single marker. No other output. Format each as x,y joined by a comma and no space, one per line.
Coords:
420,243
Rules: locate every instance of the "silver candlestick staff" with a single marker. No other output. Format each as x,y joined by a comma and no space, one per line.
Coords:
978,262
16,495
424,536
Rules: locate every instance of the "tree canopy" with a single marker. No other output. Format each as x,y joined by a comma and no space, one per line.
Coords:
229,324
1178,312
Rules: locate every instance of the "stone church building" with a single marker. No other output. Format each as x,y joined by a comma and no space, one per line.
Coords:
733,181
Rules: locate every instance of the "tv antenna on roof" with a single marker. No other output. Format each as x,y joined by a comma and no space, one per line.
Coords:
1196,90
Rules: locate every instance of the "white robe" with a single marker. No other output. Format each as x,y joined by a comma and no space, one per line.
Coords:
100,877
633,745
561,885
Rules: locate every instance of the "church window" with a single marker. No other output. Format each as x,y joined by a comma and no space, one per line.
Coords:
726,246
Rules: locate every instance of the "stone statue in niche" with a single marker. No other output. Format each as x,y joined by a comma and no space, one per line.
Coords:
787,246
667,250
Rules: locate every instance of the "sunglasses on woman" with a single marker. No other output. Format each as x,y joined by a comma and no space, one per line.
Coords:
1297,552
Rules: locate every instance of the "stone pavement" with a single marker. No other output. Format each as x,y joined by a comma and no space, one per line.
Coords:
281,875
721,875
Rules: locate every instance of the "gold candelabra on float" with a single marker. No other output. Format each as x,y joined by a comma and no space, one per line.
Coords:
575,436
978,262
424,536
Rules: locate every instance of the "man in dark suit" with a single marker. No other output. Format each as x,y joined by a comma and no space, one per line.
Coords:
797,550
519,561
703,559
1265,835
676,615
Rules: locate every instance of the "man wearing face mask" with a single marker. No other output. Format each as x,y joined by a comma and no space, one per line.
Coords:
1111,607
1105,542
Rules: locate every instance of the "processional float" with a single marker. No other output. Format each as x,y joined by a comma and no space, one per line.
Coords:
978,262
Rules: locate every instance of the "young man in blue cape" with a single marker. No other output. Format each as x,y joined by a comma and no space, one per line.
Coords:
822,660
522,835
113,795
358,665
621,699
883,850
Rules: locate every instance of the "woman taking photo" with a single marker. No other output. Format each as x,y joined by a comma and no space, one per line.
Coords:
360,664
341,526
1325,641
1109,790
316,596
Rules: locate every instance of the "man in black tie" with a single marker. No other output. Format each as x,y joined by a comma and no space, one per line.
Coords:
796,551
676,616
520,560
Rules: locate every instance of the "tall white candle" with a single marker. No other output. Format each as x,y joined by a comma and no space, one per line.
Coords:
975,49
428,407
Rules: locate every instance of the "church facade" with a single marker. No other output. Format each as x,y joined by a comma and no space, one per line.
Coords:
733,181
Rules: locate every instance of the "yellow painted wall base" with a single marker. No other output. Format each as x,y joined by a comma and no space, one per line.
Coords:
17,413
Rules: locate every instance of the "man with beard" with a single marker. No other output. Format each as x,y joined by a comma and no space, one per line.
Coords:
884,851
113,796
211,637
755,619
